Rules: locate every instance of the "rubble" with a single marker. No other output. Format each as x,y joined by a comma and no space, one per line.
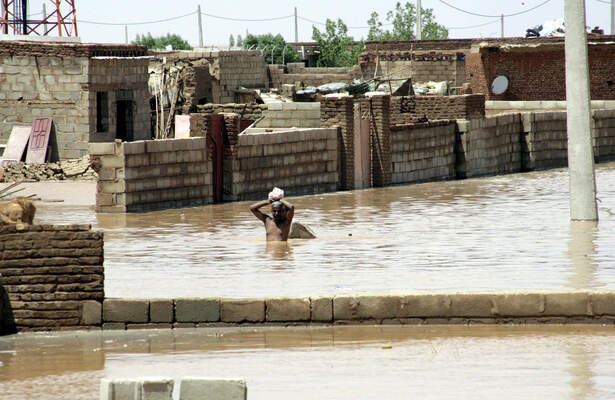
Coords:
75,169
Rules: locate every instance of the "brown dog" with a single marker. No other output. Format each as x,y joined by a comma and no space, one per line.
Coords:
20,210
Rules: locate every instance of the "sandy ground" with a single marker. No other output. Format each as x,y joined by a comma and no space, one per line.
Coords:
82,193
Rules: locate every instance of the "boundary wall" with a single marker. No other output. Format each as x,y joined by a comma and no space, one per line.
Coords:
405,109
53,276
412,308
152,174
284,115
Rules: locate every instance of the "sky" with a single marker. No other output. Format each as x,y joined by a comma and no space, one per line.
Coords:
91,14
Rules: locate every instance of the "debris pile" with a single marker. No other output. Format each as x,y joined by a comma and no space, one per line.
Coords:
76,169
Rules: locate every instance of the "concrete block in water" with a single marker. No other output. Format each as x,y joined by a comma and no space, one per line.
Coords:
120,389
161,310
348,307
156,389
197,310
240,310
119,310
567,304
287,309
471,305
518,304
91,313
603,303
212,389
322,308
300,231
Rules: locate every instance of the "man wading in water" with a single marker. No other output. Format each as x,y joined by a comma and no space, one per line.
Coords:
277,227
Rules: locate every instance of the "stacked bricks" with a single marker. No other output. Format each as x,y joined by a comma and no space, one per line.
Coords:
423,151
402,309
603,131
421,67
380,140
53,275
246,111
153,174
302,161
112,75
338,112
286,115
489,146
301,76
240,69
406,108
200,124
545,142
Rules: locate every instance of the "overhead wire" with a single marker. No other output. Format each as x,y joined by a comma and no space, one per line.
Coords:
473,26
248,19
139,23
494,16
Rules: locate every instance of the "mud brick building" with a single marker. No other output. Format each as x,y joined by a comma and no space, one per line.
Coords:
93,92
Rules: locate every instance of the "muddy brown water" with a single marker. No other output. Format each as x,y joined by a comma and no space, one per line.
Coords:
366,362
508,232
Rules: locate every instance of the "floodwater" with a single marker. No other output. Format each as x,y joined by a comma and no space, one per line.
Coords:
365,362
509,232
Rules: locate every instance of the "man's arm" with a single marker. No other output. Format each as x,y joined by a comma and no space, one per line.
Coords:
291,209
255,208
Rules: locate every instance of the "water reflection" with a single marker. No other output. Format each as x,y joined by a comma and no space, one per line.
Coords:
280,251
581,251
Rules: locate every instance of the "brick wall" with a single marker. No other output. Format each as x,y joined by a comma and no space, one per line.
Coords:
545,141
152,174
53,275
603,131
301,76
380,139
240,69
285,115
246,111
538,73
489,146
302,161
406,108
423,151
338,112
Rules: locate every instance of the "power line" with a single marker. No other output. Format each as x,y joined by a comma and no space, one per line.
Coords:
494,16
138,23
605,2
350,27
473,26
249,20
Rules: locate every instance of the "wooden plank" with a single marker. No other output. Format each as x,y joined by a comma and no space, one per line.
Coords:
16,144
39,140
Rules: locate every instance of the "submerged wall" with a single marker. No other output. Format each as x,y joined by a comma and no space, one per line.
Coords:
53,275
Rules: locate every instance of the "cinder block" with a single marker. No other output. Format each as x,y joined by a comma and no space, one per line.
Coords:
100,149
108,161
120,389
134,147
287,309
425,305
603,303
121,310
321,308
156,389
161,310
349,307
567,304
471,305
518,304
197,310
240,310
91,313
212,389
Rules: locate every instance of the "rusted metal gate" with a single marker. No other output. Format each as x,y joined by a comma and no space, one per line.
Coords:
216,134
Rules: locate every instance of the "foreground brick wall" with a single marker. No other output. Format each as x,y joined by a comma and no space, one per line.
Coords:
406,108
152,174
300,161
489,146
403,309
423,151
53,275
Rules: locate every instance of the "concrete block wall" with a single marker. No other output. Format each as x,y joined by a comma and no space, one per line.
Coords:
47,86
545,140
152,174
302,161
246,111
300,76
404,309
423,151
111,75
489,146
338,112
53,275
239,69
603,132
404,109
286,115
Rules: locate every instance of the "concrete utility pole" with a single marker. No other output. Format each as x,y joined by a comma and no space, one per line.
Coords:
612,17
200,26
297,27
502,26
580,151
419,21
126,33
45,17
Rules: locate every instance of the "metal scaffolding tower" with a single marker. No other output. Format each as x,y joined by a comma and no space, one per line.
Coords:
59,20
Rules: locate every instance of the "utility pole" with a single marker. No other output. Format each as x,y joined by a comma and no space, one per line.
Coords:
580,151
419,21
200,26
612,17
45,18
502,25
297,26
126,33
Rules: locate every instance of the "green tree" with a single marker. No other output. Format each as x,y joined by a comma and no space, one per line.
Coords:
337,49
267,42
161,42
231,40
403,19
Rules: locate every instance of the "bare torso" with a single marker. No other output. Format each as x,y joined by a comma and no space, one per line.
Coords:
277,232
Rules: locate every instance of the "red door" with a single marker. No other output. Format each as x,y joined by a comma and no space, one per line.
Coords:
39,140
